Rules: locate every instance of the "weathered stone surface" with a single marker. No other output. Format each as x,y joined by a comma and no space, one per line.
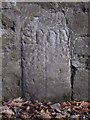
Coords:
88,63
77,21
82,46
0,77
11,71
36,47
81,85
81,51
46,65
80,23
89,84
0,71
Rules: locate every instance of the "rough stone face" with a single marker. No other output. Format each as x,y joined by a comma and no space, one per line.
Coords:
46,66
40,42
77,18
78,21
82,45
11,66
81,80
81,85
11,71
0,70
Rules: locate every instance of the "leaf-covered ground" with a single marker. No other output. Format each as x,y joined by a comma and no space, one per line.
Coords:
19,109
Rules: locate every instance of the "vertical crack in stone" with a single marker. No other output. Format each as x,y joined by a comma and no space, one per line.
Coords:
73,69
73,72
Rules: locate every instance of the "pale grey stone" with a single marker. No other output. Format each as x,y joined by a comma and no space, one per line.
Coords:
46,57
41,42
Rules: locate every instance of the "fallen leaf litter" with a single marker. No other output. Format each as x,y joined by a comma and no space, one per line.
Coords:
19,109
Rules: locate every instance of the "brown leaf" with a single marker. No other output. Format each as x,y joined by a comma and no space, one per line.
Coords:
24,116
45,116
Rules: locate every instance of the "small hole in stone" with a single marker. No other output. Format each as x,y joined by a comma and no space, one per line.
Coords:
84,9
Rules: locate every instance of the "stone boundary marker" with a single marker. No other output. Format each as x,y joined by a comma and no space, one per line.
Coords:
36,36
